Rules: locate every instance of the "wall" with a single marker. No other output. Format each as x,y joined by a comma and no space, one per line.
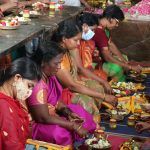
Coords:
133,39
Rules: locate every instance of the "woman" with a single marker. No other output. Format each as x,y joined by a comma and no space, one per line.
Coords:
88,23
54,121
16,83
87,93
114,62
81,54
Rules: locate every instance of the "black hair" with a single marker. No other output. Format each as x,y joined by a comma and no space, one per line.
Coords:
112,12
88,18
66,29
23,66
47,51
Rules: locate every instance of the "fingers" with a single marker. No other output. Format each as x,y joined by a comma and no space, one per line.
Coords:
140,127
1,15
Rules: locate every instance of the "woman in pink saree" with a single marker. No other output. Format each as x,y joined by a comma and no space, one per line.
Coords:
54,121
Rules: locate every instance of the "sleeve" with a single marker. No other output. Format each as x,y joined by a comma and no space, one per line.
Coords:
65,63
9,136
100,39
39,95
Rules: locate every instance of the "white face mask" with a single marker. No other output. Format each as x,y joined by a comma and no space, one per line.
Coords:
88,35
22,91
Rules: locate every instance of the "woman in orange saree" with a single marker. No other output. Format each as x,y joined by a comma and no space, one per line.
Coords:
90,58
88,93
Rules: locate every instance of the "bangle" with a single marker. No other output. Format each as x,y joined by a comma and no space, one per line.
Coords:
78,128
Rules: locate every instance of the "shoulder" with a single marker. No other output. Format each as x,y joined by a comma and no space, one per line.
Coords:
3,103
65,63
5,108
100,31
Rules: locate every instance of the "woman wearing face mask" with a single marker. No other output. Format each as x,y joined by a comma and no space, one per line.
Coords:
16,83
54,121
88,22
87,93
114,62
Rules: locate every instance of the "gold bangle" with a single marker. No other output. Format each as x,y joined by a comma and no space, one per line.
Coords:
78,128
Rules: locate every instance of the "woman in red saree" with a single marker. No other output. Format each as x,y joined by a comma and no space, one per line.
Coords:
16,83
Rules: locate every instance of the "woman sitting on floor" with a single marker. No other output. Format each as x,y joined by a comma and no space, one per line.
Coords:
88,93
114,60
16,83
54,121
87,49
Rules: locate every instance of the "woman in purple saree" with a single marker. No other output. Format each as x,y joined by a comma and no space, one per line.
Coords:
54,121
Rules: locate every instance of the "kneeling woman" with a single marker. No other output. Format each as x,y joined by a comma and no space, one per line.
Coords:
55,122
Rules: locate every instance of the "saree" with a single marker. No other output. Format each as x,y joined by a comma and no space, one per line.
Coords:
86,50
91,104
14,124
50,132
101,39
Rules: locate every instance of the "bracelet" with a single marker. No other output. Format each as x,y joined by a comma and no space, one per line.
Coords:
79,128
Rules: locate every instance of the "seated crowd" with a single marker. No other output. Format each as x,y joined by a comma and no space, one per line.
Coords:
65,84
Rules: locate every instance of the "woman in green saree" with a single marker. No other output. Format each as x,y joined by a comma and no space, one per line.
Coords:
114,62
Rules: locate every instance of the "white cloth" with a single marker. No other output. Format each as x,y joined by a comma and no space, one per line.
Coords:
70,2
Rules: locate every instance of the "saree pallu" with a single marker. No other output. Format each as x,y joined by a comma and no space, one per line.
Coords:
91,104
14,124
86,50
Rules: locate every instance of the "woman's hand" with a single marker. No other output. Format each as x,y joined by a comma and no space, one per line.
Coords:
146,107
145,145
111,99
142,126
107,87
82,132
75,118
137,68
96,53
89,7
